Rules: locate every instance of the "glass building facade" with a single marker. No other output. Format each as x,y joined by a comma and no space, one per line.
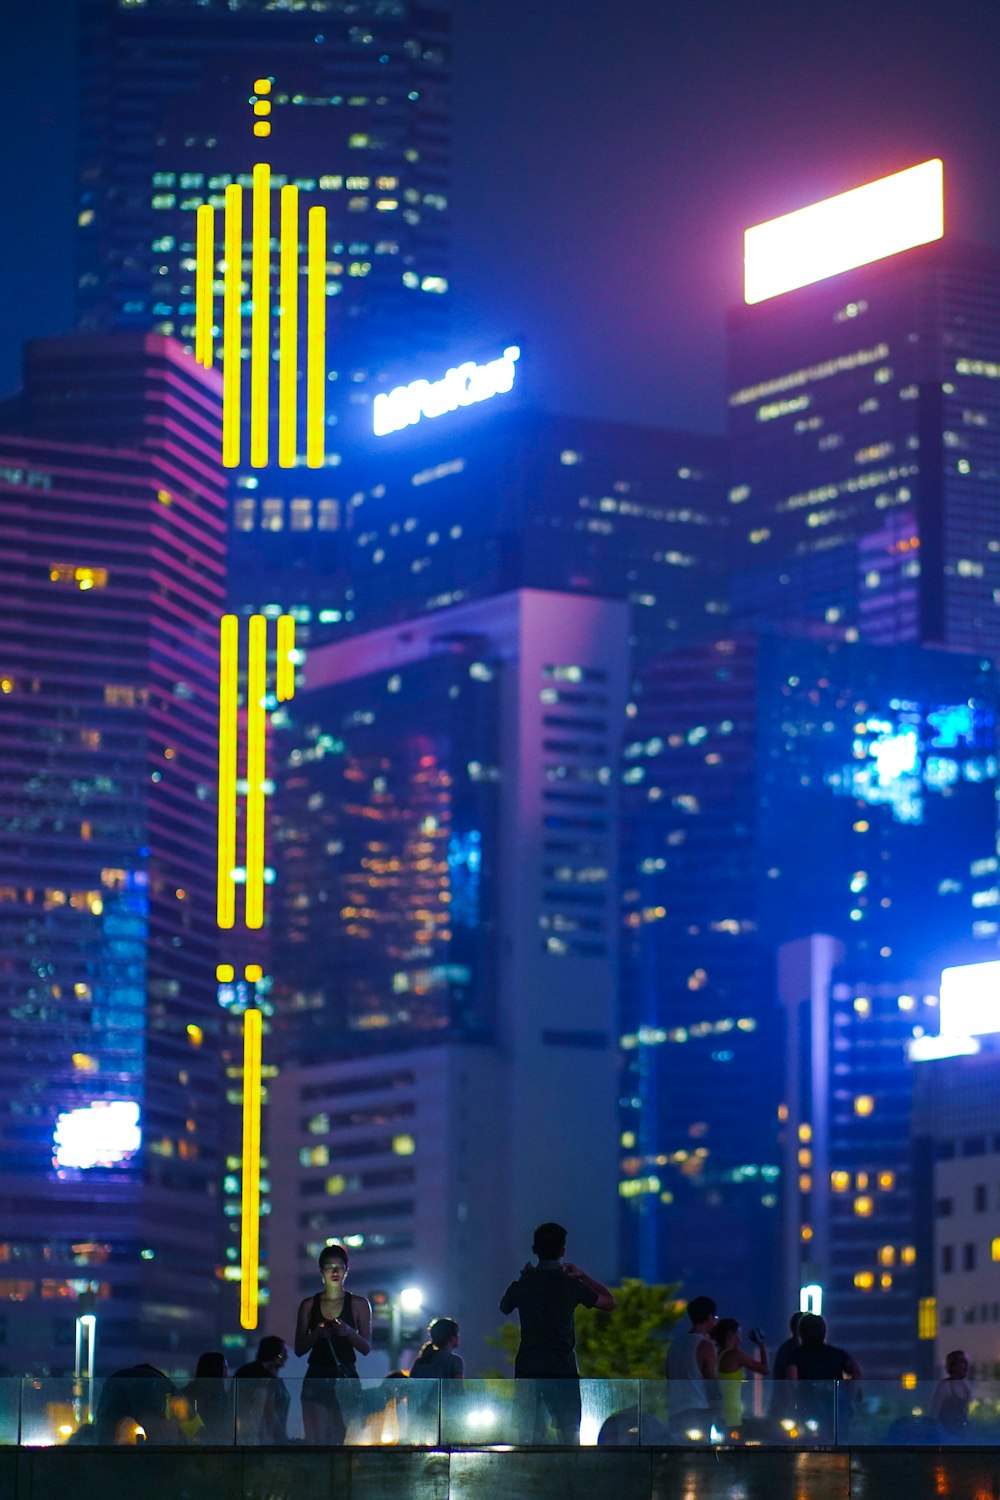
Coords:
776,788
864,418
359,123
115,558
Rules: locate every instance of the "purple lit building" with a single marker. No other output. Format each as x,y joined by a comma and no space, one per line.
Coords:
112,523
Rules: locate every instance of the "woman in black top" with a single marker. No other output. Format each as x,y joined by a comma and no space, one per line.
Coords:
333,1328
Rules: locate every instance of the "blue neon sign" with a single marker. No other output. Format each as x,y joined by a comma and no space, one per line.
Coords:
463,385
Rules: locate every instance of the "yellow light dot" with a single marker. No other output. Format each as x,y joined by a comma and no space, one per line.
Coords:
253,972
225,973
262,107
261,127
262,85
195,1035
864,1104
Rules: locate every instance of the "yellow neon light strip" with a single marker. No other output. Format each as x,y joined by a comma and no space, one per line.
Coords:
260,326
288,329
256,769
228,663
204,278
286,667
250,1205
231,335
316,367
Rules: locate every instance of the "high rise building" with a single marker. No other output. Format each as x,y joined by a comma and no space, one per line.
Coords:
853,1225
777,787
112,518
864,409
446,968
346,102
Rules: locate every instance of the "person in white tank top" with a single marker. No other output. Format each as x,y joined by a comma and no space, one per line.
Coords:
692,1383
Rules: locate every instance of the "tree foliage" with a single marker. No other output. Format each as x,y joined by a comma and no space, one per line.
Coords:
630,1343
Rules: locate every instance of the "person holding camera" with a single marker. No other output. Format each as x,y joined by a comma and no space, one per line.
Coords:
732,1361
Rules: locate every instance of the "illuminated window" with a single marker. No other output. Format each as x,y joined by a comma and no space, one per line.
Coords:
272,516
927,1318
805,1132
864,1104
887,1255
840,1181
864,1280
908,1381
908,1255
863,1207
403,1145
887,1181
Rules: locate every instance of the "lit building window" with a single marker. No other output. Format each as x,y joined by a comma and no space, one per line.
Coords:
927,1318
864,1104
863,1207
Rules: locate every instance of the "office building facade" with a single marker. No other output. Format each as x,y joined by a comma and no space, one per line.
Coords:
449,912
113,521
777,787
357,120
864,414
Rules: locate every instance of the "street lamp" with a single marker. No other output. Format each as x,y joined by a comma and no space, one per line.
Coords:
409,1302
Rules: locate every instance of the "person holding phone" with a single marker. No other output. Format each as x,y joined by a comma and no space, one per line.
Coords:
333,1327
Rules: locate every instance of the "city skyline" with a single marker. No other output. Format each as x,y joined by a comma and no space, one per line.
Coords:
847,97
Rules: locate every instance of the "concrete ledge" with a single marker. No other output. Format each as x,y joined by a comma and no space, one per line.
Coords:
81,1473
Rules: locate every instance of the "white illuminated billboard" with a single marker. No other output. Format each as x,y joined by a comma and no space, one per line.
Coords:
462,386
970,1000
868,223
102,1134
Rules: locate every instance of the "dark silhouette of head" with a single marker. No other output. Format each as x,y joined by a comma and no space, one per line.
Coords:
700,1310
272,1350
211,1366
333,1252
812,1330
724,1330
793,1323
549,1242
442,1331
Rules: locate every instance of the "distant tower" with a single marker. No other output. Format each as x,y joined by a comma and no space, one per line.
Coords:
864,406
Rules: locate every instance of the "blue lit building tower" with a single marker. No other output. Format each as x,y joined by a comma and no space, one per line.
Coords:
779,787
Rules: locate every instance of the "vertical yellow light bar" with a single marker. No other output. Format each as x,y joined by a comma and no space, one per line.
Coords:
260,326
256,769
286,667
231,336
250,1205
228,661
204,279
316,367
288,328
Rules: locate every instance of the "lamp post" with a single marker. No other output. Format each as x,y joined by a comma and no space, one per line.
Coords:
86,1349
407,1303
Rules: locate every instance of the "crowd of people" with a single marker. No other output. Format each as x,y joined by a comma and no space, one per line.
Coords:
706,1365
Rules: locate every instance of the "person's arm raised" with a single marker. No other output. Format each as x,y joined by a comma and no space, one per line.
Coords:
605,1299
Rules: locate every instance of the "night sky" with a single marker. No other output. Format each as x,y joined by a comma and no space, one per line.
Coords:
608,154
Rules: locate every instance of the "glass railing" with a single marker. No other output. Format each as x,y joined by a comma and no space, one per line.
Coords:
471,1414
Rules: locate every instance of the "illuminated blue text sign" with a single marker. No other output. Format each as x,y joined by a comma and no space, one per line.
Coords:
462,386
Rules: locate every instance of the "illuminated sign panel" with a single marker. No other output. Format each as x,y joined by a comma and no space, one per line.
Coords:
102,1134
868,223
970,1008
462,386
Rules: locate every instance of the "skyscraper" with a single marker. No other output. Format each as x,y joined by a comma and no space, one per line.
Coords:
775,788
346,103
446,972
863,413
112,517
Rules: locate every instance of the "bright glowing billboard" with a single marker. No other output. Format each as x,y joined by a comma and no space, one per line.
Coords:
868,223
103,1134
970,1008
462,386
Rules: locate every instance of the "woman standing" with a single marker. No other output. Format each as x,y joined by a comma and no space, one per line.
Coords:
437,1359
333,1327
732,1362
